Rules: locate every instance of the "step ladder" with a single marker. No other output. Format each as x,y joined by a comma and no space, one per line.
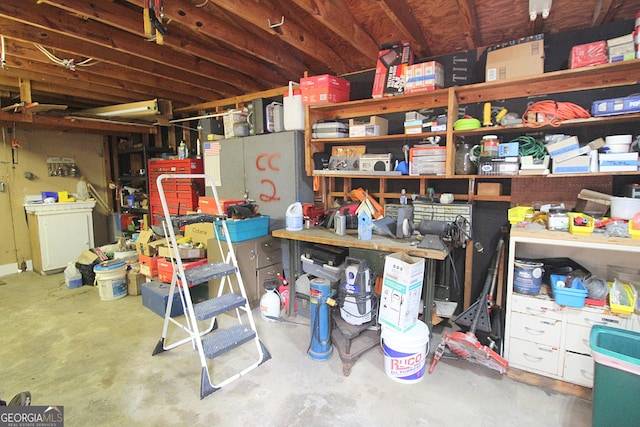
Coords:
209,341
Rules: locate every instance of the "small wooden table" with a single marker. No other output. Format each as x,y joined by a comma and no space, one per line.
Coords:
377,242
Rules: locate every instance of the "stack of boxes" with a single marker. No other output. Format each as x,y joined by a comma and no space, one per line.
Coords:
427,159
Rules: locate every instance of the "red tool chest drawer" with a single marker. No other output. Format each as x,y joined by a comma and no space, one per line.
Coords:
181,193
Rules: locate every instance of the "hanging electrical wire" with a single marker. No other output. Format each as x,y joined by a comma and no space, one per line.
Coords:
70,64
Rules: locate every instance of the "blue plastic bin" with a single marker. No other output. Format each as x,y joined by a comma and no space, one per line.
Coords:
244,229
616,382
572,296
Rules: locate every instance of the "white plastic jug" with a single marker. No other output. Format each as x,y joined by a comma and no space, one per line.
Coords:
293,109
72,277
270,305
294,216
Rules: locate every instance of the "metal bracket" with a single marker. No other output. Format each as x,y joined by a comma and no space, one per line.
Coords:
277,24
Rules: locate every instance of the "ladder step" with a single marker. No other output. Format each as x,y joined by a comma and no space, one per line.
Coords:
206,272
225,340
212,307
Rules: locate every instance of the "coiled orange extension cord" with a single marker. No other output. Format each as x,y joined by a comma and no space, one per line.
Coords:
552,113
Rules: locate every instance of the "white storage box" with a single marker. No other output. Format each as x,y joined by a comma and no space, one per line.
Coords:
330,130
401,291
618,162
376,126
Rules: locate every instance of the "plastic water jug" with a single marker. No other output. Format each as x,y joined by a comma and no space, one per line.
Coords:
294,217
72,277
270,305
293,109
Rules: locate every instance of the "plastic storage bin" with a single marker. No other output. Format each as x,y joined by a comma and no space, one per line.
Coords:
616,353
244,229
572,296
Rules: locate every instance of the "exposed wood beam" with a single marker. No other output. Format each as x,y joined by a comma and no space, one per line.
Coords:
25,90
52,19
606,12
198,20
399,13
469,23
236,100
300,38
122,17
132,64
335,15
29,58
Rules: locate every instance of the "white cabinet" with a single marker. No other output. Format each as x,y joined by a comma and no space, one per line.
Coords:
545,338
59,233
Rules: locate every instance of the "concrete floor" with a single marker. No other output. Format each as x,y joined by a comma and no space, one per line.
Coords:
93,357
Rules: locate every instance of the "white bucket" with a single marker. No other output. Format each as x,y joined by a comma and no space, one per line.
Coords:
405,353
111,281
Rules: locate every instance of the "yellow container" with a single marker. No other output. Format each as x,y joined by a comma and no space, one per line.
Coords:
517,214
63,196
623,309
633,232
587,224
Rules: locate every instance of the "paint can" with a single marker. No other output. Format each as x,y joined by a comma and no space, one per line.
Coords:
527,276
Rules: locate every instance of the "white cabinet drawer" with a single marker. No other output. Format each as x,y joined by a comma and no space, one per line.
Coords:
533,356
578,369
578,339
590,317
535,306
537,329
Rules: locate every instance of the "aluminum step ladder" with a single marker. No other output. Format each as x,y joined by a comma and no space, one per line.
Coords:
209,341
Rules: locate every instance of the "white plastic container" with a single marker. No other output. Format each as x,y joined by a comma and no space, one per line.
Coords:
624,207
293,109
405,353
72,277
111,281
617,143
270,305
294,217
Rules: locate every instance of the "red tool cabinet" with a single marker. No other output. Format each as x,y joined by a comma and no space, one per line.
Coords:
181,193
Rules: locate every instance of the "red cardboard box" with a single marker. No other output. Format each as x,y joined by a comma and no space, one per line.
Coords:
208,204
392,60
423,77
584,55
165,269
148,265
324,89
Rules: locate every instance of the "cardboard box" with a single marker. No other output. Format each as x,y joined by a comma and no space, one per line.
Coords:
135,281
561,148
401,291
489,189
390,67
423,77
376,126
621,48
579,164
593,202
208,204
519,58
324,89
584,55
146,243
618,162
568,152
199,234
148,266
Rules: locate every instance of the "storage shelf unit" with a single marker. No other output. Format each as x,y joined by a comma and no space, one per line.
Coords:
548,339
337,186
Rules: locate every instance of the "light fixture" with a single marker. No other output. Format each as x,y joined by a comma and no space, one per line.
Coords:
127,111
542,7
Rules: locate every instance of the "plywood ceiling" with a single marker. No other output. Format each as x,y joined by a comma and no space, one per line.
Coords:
216,49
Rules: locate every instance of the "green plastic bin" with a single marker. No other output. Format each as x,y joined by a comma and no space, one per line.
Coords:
616,382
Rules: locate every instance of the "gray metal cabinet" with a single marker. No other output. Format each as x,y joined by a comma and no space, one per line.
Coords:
259,259
267,168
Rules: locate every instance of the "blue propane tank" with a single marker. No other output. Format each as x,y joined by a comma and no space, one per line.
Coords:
320,347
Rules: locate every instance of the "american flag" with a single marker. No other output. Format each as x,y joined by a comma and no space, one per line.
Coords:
211,148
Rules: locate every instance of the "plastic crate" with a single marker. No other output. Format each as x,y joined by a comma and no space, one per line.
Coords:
623,308
517,214
616,381
244,229
573,296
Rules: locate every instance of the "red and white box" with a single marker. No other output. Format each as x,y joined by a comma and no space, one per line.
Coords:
208,204
584,55
423,77
390,68
165,269
324,89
